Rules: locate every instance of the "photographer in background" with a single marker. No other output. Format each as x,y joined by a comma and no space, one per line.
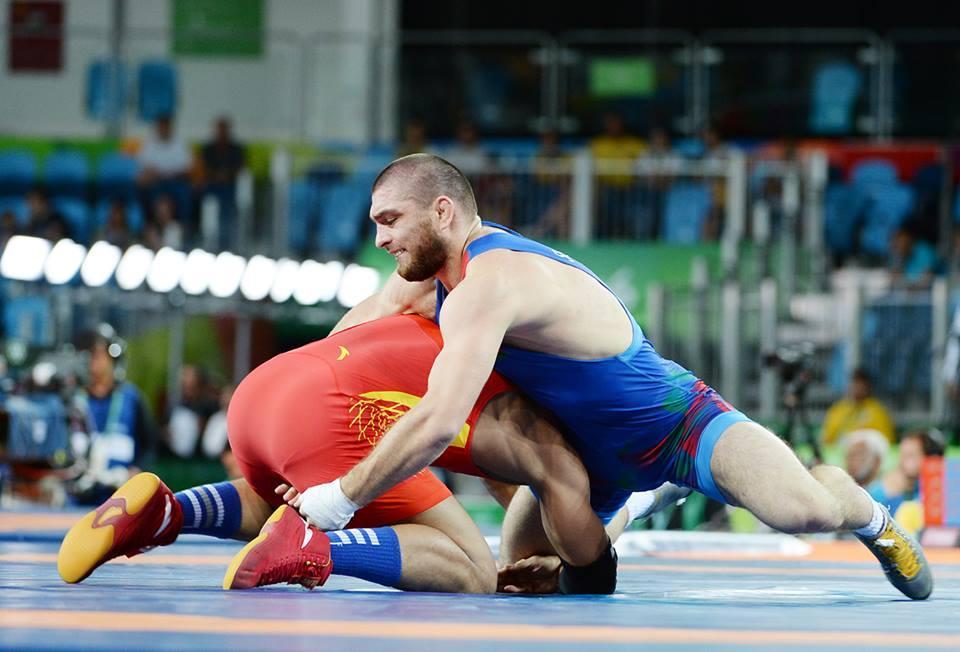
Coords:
120,432
858,410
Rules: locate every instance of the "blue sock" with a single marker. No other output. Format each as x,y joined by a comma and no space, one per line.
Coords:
212,509
366,553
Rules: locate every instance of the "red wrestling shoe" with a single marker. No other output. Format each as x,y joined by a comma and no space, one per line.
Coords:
286,550
141,514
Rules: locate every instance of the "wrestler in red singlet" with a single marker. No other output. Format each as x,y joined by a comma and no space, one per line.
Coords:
308,416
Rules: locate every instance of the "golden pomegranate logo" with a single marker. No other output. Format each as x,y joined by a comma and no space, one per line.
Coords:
375,412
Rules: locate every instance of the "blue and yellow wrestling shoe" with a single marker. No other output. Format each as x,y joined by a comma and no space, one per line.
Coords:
902,559
140,515
286,550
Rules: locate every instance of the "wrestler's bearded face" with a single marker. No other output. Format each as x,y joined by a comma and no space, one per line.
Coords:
424,255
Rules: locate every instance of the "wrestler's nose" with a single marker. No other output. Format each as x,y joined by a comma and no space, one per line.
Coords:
383,237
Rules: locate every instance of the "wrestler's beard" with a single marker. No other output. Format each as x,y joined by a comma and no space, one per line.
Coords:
425,260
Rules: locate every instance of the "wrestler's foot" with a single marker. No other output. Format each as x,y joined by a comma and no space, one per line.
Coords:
644,504
902,559
141,514
286,550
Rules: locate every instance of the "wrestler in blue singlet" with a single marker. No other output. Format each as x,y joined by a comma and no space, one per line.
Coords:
636,419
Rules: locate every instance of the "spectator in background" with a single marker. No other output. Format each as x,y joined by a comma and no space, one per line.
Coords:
865,451
715,148
121,432
223,159
903,483
543,209
912,261
162,228
951,373
189,416
214,441
9,227
466,152
658,144
859,410
116,229
165,163
659,151
619,210
164,157
414,138
42,220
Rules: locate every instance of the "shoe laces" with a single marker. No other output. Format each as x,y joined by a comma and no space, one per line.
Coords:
898,553
296,569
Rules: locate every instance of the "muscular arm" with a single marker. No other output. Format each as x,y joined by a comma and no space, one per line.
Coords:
475,317
396,297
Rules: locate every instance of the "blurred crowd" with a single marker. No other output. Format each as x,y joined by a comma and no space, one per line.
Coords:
156,201
73,428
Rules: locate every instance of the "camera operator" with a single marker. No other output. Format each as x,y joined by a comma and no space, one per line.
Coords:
120,430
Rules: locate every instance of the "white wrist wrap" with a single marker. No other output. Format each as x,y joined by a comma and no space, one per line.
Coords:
326,507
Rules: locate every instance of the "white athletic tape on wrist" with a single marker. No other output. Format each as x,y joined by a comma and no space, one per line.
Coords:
326,507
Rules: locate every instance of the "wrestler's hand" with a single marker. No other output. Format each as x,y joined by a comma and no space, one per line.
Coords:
324,506
290,495
537,574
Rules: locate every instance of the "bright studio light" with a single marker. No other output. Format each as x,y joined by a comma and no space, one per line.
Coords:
64,261
166,270
197,272
227,273
23,258
358,283
258,278
285,280
99,264
317,282
133,267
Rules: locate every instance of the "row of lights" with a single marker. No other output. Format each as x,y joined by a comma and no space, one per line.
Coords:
309,282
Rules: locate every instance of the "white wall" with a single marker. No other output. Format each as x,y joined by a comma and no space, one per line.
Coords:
300,87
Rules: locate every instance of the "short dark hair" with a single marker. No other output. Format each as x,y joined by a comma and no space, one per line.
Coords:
428,176
861,374
932,441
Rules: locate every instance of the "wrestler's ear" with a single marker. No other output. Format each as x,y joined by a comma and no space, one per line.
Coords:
444,207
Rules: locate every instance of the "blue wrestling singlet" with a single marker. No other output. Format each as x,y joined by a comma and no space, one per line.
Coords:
636,419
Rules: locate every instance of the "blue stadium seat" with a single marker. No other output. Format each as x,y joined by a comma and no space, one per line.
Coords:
888,207
134,215
30,319
842,210
689,147
16,205
77,214
685,212
117,177
836,87
156,90
370,164
873,171
514,148
102,102
66,174
342,215
302,211
18,173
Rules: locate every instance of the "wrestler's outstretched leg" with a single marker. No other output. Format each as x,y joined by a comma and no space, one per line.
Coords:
755,469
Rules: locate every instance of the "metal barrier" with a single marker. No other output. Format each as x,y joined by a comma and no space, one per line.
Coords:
726,332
